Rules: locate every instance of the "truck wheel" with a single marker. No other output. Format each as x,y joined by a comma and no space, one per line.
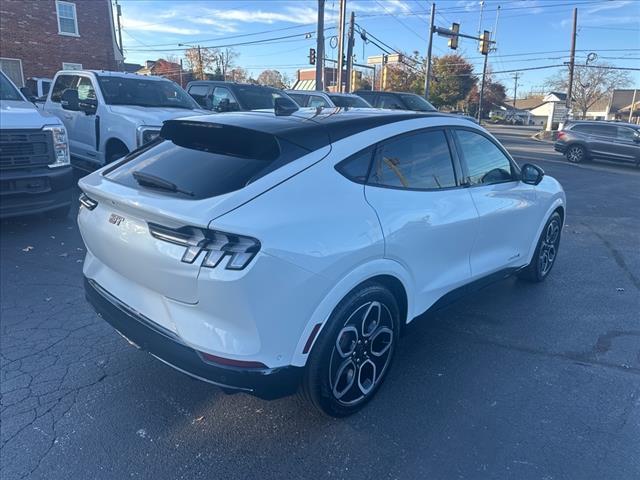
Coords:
116,153
576,154
354,351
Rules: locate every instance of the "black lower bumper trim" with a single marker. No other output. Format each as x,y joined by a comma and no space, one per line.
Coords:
268,383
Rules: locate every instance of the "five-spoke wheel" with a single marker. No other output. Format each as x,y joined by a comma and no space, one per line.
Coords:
354,351
546,251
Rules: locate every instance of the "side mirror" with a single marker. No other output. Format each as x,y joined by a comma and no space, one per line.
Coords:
69,100
284,107
224,105
27,93
531,174
89,107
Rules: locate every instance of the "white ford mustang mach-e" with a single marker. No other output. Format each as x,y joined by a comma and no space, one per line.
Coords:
270,254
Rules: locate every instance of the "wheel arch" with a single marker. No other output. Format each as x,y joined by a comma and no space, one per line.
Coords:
113,145
383,271
558,205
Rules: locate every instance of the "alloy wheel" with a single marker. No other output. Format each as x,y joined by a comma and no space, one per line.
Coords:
549,247
575,154
361,353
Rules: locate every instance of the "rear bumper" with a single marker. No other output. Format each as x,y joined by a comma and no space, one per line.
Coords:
267,383
25,192
559,147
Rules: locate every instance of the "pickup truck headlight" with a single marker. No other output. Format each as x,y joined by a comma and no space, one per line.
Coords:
60,145
147,134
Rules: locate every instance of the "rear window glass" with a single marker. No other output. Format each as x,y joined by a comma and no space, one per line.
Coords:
204,160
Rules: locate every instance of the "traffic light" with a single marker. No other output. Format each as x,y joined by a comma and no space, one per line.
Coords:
312,56
485,44
453,41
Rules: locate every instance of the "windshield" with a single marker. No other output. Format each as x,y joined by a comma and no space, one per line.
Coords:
7,90
417,103
257,98
349,101
144,93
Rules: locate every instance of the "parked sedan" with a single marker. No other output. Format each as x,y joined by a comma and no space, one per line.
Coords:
327,99
273,254
583,140
396,100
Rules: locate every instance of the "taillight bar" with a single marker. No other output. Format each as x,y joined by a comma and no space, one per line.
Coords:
239,248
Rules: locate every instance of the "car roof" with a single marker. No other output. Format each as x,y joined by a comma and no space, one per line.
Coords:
337,94
223,83
106,73
313,128
602,122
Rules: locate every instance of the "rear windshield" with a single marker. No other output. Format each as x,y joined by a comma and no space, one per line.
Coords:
257,98
417,103
349,101
203,160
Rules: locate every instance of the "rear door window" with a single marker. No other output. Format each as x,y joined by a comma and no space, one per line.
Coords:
390,101
609,131
417,161
317,101
203,160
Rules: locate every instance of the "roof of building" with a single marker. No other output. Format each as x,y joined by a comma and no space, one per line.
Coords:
620,99
526,103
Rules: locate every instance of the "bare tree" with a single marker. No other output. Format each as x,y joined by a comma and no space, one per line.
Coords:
224,59
200,60
590,84
238,74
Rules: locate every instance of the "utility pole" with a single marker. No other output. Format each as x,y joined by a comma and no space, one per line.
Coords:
320,48
515,88
350,42
118,15
572,59
341,20
633,104
200,69
181,84
429,48
484,45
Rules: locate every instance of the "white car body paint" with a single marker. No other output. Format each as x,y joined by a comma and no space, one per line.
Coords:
321,235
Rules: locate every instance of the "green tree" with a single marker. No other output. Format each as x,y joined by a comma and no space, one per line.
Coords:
494,94
452,80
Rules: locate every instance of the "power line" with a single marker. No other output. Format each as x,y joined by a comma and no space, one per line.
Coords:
401,22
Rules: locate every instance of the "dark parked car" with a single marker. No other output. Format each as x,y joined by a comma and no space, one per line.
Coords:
584,140
327,99
396,100
232,97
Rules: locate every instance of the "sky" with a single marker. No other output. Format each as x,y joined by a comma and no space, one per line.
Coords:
530,33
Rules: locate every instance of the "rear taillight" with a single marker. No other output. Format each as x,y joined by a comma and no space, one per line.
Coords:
237,250
561,135
87,202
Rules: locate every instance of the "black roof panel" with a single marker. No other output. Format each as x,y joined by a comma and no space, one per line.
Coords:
310,128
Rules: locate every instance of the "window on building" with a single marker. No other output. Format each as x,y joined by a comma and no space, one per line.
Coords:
71,66
12,68
67,20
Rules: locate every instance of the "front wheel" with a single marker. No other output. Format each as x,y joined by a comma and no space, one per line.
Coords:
354,352
546,251
576,154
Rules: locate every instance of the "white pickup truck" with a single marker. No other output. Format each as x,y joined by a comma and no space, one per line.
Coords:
35,175
109,114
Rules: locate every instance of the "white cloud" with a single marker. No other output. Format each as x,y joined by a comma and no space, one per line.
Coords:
136,25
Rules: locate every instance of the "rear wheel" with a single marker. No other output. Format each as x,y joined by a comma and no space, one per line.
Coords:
354,352
546,251
116,152
576,154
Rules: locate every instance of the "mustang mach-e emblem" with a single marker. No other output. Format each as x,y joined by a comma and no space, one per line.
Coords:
116,219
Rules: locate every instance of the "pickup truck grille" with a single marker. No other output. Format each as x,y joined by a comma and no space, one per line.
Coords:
25,149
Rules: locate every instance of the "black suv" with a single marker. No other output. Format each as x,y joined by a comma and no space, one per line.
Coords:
582,140
232,97
396,100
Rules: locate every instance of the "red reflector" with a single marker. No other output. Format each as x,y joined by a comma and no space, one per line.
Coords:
312,337
207,357
560,135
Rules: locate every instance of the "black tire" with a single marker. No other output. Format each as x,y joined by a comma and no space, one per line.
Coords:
546,251
576,154
329,371
118,152
60,213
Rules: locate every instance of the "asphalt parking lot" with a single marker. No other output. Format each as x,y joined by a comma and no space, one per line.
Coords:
518,381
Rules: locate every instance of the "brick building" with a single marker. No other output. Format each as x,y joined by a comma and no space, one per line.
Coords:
38,38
